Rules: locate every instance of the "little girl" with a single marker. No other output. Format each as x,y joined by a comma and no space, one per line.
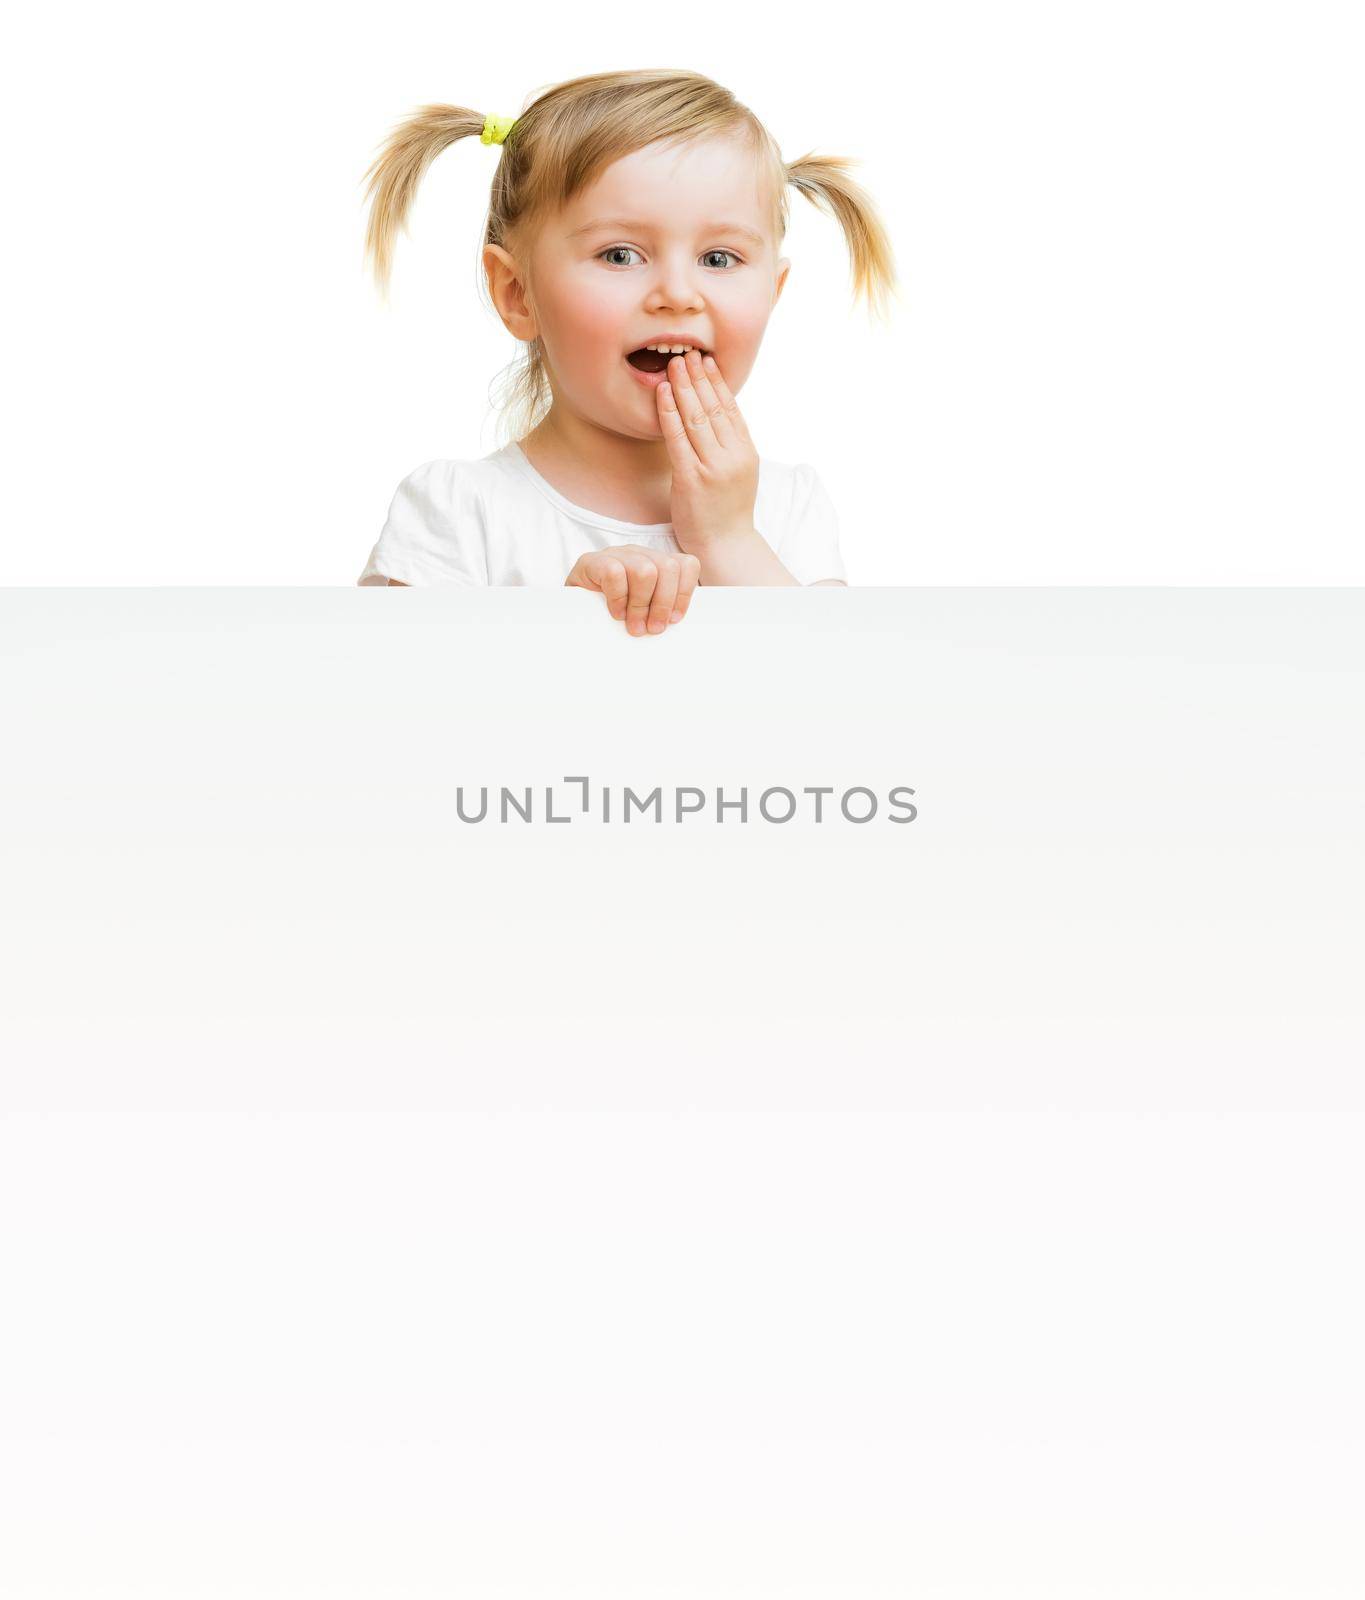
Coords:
631,244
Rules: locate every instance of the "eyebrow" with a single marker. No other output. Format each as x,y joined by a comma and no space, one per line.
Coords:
644,227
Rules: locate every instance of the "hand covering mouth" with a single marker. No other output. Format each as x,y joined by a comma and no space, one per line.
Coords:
653,360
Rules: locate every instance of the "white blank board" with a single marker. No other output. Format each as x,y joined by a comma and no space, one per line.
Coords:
394,1205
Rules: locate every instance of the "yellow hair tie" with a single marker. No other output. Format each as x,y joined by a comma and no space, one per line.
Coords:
496,129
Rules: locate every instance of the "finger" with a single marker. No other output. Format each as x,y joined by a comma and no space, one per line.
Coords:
688,579
610,577
680,451
665,593
711,402
643,576
695,420
727,400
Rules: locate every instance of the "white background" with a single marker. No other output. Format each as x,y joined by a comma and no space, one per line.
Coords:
1129,236
386,1213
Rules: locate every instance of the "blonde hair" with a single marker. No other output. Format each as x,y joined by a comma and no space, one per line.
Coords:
560,143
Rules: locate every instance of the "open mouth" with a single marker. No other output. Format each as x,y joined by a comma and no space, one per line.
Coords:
651,360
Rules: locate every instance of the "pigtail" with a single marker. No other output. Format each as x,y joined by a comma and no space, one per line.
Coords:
394,174
825,183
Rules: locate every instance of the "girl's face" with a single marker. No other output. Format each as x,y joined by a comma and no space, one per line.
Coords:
668,245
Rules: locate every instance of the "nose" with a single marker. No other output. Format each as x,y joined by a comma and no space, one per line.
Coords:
676,285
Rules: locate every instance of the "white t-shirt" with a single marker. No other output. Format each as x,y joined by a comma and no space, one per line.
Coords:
497,521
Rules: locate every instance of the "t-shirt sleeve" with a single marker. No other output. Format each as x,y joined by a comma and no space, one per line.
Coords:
433,533
810,550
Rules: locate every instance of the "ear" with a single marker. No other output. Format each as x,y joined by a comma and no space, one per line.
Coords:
508,292
784,266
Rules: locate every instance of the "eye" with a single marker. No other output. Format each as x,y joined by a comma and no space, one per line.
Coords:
616,249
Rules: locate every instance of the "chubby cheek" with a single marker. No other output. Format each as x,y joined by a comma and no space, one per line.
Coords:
590,324
738,339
